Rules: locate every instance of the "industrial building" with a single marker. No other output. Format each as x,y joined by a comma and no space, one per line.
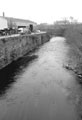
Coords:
15,22
9,22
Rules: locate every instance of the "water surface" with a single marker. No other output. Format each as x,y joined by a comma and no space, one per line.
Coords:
38,87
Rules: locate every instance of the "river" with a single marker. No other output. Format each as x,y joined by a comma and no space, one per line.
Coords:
38,87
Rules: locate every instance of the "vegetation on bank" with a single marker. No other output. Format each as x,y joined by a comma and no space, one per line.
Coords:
73,35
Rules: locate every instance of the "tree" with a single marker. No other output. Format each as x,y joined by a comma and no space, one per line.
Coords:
71,18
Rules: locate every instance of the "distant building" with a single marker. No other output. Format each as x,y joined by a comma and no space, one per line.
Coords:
62,22
15,22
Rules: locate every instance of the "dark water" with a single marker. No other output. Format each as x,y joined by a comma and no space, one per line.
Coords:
38,87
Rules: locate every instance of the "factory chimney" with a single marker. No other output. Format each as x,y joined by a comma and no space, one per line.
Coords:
3,14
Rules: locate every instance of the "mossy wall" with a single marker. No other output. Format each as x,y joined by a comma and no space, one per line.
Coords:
12,48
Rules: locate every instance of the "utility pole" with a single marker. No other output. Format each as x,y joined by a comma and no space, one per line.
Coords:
3,14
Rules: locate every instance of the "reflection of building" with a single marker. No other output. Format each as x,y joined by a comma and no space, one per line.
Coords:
15,22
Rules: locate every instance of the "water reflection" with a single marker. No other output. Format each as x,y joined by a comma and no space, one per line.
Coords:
8,73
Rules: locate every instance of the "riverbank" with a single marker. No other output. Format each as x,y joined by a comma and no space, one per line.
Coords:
73,35
15,46
74,40
39,87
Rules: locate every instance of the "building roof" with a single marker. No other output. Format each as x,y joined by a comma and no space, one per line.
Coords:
18,20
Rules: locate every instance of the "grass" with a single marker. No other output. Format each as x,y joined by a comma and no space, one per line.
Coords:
73,35
74,40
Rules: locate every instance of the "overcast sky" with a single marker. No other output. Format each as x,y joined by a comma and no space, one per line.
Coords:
42,10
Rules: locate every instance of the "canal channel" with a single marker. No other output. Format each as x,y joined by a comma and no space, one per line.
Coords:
38,87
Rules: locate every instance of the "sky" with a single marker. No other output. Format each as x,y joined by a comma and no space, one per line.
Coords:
42,11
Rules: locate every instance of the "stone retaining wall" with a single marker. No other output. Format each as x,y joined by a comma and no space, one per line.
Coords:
14,47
